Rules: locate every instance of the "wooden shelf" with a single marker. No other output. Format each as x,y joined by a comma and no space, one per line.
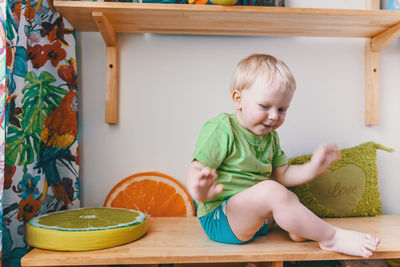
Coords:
381,27
182,240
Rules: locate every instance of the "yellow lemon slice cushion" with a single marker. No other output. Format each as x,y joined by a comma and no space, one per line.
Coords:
85,229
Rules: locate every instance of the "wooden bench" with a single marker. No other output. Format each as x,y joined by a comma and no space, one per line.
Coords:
182,241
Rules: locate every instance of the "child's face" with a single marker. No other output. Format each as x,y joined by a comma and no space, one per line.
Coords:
262,109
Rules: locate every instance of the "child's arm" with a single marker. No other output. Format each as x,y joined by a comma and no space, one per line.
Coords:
322,159
201,182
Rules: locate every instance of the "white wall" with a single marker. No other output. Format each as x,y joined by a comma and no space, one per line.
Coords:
170,85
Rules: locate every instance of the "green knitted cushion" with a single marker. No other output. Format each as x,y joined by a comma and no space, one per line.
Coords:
349,188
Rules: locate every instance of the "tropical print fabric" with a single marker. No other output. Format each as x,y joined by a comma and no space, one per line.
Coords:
41,152
2,100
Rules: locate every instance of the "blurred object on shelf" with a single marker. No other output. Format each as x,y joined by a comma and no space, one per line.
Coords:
239,2
393,5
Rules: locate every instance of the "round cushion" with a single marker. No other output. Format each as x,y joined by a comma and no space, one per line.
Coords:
85,229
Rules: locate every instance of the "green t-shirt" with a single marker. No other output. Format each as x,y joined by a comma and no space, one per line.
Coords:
241,158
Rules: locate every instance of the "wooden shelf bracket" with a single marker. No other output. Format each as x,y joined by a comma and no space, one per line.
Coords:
373,48
383,39
110,38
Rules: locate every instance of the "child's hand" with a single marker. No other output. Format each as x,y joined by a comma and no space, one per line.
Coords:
202,185
324,156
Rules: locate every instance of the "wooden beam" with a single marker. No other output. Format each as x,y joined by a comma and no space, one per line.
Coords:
277,264
111,110
105,28
383,39
372,4
110,39
372,72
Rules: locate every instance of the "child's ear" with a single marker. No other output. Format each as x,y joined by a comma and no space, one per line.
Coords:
237,99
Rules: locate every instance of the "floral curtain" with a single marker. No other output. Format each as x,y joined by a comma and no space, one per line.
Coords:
2,100
41,105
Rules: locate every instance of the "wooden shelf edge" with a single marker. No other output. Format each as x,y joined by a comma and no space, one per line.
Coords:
155,6
230,20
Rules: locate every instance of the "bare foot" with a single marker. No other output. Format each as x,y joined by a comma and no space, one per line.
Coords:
297,238
351,243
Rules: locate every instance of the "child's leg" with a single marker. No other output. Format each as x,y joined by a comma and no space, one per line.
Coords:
248,210
296,237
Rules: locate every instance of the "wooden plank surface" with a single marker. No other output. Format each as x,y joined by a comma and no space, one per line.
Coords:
229,20
372,75
181,240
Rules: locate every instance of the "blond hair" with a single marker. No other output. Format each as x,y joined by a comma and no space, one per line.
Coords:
255,66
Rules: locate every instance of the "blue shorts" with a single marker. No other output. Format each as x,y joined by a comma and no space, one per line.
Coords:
216,226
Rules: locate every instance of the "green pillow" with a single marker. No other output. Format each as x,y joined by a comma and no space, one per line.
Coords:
349,188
